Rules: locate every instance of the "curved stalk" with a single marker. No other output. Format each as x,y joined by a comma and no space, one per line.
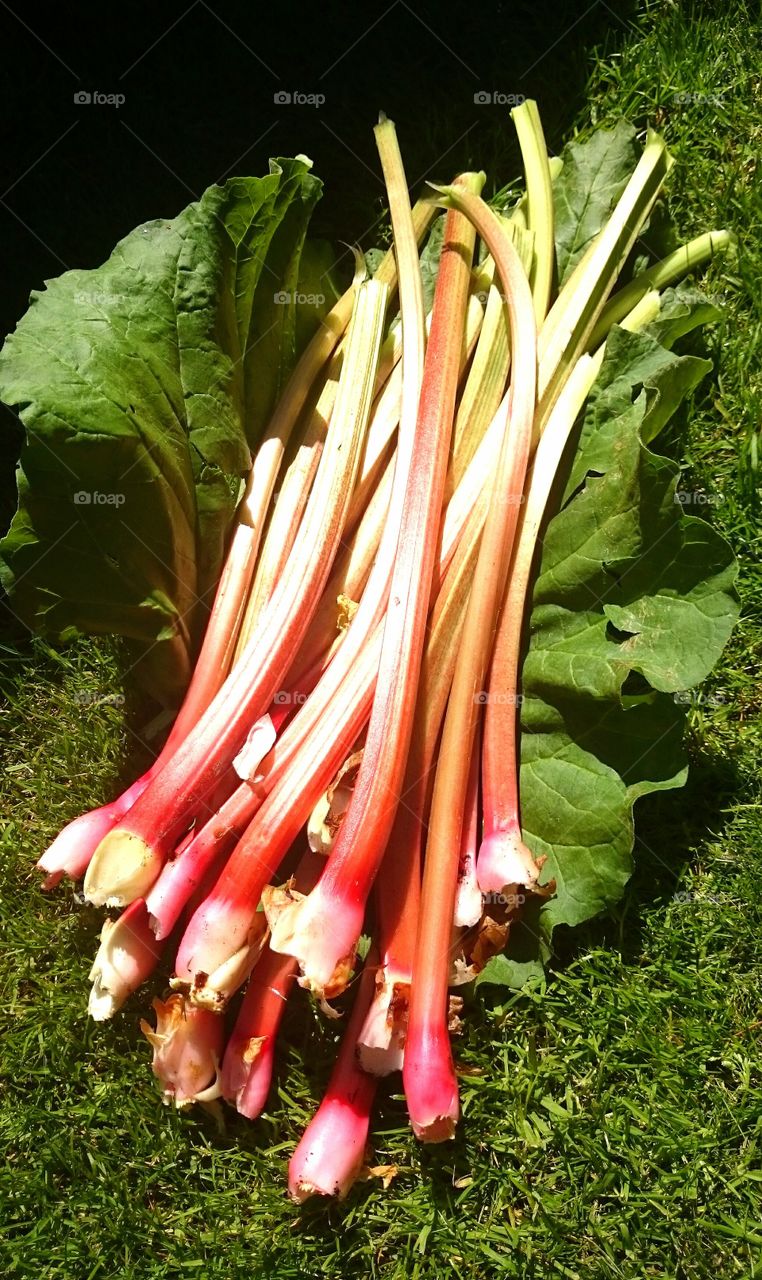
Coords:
428,1073
322,930
128,860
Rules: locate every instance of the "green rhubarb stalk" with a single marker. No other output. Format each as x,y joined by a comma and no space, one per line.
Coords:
505,863
297,482
354,562
539,193
320,349
666,272
573,316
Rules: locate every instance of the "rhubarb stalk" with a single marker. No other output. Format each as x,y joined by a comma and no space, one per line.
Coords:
248,1063
129,858
331,1152
397,889
211,933
504,862
428,1073
322,930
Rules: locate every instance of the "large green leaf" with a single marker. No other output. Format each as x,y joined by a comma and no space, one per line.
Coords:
633,602
142,386
593,177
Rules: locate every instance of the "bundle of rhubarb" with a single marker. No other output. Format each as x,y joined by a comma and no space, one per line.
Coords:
458,596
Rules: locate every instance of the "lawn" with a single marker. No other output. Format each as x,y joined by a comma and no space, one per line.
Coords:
612,1121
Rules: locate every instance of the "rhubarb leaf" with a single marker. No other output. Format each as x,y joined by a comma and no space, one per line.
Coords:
594,175
430,255
142,385
633,602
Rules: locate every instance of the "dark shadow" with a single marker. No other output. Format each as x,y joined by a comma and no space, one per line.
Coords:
669,826
199,105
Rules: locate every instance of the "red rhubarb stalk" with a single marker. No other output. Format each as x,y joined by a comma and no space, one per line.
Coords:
219,930
468,898
322,931
504,862
130,857
331,1152
72,850
182,875
305,759
248,1063
397,889
428,1072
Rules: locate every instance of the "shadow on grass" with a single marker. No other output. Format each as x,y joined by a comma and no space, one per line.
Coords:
669,826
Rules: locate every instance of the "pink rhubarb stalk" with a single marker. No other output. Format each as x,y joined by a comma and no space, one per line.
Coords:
182,875
322,930
505,863
331,1153
130,857
248,1063
218,932
468,898
72,850
127,956
397,890
306,757
187,1047
428,1073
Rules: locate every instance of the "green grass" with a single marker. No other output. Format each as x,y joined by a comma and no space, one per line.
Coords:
613,1122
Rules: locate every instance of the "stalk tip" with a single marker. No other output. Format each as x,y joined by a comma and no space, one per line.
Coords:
122,869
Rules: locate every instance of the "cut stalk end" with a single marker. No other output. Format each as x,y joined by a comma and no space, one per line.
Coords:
187,1046
505,864
247,1071
381,1043
431,1087
122,869
127,956
320,937
210,968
